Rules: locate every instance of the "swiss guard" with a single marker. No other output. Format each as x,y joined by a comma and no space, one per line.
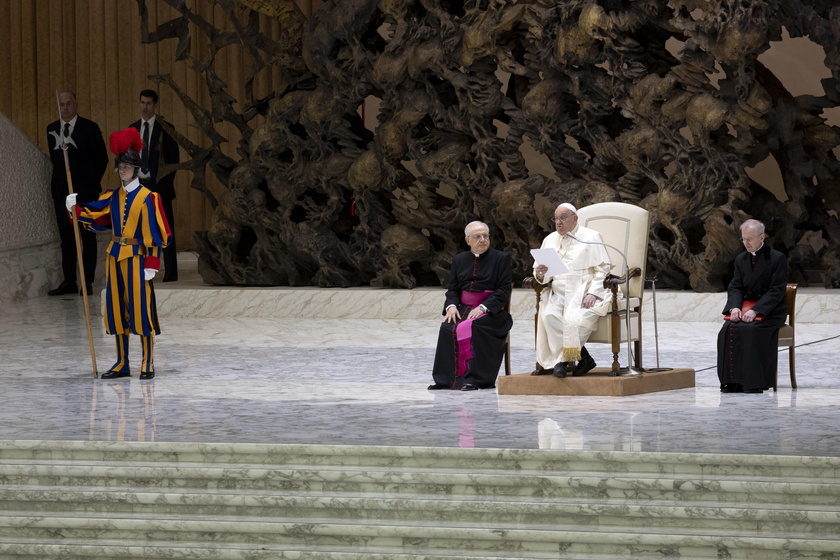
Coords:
134,215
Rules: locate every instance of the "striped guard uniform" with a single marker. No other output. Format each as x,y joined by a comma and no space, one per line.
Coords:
129,298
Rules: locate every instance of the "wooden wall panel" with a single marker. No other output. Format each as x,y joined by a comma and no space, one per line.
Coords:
93,48
11,12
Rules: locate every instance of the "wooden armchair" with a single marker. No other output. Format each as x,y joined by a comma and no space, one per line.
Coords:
507,340
787,336
625,227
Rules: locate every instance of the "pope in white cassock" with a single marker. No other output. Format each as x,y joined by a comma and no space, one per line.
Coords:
569,315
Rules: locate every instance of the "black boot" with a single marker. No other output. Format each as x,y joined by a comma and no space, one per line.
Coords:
585,365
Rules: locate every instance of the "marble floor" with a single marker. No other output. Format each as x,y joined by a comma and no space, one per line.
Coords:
363,381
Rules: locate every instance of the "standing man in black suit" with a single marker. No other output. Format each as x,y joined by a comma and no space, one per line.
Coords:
88,160
159,146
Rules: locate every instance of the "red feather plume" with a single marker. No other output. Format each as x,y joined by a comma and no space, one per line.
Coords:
122,140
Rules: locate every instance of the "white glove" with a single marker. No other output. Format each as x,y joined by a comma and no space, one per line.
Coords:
70,202
149,273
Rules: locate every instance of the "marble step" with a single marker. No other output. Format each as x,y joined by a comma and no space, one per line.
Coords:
428,539
127,500
815,521
590,485
150,550
472,460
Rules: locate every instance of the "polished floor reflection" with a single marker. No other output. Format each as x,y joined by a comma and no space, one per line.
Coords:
363,381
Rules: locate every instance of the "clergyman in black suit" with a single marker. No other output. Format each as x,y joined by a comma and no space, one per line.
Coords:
88,161
756,307
475,324
159,147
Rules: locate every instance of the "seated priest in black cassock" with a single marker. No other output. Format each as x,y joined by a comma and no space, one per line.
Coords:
474,329
755,310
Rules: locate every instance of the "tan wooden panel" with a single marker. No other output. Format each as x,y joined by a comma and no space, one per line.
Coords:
118,63
44,104
55,48
12,48
26,54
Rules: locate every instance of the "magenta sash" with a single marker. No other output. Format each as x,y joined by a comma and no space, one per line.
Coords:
463,330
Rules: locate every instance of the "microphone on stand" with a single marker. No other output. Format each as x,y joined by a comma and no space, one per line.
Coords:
630,369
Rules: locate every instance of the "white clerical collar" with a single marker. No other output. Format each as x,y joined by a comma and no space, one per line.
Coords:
753,253
476,255
132,185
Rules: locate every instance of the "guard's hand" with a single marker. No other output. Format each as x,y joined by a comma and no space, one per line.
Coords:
149,273
70,202
735,315
452,315
589,301
539,272
749,316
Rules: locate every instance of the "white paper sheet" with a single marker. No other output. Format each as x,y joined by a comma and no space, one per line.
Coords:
551,259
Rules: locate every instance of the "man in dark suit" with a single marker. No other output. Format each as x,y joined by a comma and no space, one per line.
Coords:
159,147
756,307
473,332
88,161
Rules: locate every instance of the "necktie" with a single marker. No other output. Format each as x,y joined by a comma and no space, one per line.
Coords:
67,130
145,154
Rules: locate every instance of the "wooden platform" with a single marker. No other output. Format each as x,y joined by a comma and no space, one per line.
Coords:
596,383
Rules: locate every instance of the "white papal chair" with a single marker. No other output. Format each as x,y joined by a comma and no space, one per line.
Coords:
625,229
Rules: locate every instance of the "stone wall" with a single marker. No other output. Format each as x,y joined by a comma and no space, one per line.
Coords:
29,257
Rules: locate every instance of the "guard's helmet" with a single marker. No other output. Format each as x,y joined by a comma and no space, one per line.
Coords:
126,145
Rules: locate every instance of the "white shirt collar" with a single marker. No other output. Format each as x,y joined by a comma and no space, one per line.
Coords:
71,122
132,185
753,253
151,122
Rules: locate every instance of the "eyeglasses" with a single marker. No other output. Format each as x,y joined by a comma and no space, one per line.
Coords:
481,236
556,219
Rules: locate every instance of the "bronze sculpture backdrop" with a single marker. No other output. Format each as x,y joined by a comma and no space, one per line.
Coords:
317,199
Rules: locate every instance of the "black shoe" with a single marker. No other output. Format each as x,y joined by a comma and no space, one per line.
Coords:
753,390
438,387
147,375
116,374
732,388
541,372
469,387
560,369
585,365
63,289
170,278
89,290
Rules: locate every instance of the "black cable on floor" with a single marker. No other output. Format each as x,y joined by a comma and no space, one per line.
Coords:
785,349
